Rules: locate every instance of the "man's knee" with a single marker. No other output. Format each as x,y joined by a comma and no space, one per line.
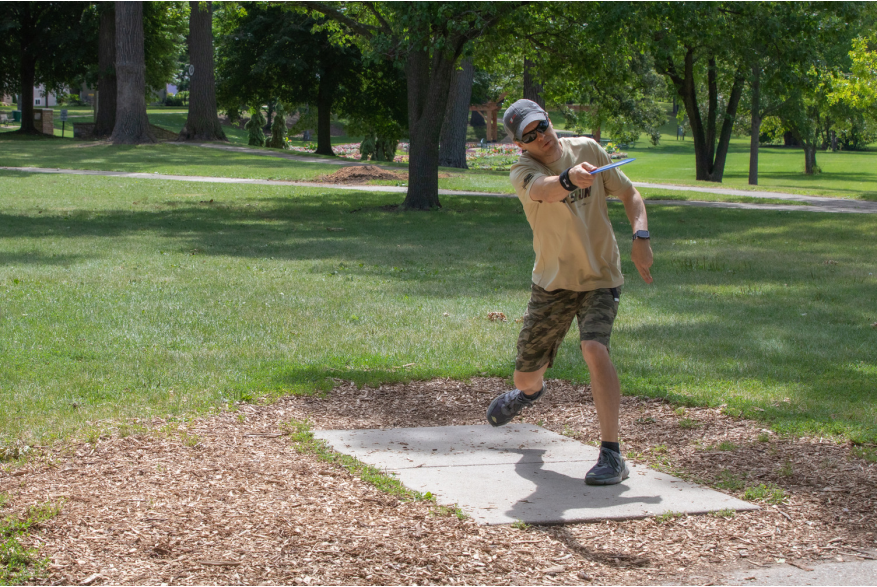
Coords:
594,351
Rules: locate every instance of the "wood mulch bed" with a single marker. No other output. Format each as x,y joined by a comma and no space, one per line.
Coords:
229,499
356,174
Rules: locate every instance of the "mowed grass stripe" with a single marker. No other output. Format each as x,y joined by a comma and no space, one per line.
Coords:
124,298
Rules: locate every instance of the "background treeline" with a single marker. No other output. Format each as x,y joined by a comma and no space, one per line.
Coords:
793,73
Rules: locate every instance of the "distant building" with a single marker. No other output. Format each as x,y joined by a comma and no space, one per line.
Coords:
40,98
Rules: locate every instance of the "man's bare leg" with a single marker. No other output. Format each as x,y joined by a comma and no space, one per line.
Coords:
530,383
604,387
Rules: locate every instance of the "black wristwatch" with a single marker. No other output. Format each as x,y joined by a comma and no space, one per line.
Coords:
641,234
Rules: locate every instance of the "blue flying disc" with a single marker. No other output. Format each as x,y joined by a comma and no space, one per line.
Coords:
611,166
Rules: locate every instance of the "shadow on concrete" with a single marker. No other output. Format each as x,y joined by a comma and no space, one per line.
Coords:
565,492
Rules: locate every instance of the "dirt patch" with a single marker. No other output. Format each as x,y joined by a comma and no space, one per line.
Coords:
365,173
362,174
229,499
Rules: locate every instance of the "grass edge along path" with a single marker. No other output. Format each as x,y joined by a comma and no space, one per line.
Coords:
302,436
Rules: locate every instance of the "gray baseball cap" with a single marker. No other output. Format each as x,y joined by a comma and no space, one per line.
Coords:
519,115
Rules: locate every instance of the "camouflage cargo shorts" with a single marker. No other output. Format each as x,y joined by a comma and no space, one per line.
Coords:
549,316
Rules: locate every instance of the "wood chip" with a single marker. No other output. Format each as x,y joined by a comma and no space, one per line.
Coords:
147,509
798,565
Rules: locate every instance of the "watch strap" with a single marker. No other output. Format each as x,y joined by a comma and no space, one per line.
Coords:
644,234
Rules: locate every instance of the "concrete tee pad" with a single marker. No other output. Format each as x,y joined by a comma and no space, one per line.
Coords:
520,472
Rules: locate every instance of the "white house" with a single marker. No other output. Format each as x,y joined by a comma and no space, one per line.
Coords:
41,99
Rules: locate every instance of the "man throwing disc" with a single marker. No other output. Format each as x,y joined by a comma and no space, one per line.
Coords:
577,271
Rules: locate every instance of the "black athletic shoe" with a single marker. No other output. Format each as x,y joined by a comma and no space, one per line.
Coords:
504,408
609,470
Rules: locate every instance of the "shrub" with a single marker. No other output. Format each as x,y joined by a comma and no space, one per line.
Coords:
254,127
278,131
70,100
172,100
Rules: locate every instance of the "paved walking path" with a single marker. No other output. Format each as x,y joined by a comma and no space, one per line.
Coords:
845,573
813,203
520,472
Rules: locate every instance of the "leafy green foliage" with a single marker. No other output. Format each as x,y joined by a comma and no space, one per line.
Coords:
254,127
165,25
278,130
270,52
56,41
859,87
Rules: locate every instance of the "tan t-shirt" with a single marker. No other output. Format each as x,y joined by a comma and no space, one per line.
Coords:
573,239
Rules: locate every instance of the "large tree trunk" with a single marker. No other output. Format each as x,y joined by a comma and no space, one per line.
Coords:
105,120
452,144
429,80
27,67
532,88
132,123
25,102
755,128
202,122
324,117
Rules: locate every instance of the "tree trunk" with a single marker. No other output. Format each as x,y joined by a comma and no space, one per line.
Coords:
452,144
132,123
25,102
324,117
755,128
532,88
202,122
428,86
810,158
105,119
709,154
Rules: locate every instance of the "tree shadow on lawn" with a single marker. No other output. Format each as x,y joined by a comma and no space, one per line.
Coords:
36,258
480,247
148,158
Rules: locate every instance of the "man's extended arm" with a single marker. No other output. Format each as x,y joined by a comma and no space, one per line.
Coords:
547,189
641,253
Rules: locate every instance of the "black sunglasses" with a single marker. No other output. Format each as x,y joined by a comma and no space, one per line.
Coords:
531,136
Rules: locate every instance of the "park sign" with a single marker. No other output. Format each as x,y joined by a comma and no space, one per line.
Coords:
63,116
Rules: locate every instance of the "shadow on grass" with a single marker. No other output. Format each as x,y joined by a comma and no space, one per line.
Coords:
753,330
35,258
146,158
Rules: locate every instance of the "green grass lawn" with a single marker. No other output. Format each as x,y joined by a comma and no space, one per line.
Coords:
174,159
844,174
124,298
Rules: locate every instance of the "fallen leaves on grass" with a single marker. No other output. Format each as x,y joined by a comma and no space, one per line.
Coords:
496,317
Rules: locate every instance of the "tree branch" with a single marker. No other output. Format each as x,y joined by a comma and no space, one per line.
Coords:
384,24
363,29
